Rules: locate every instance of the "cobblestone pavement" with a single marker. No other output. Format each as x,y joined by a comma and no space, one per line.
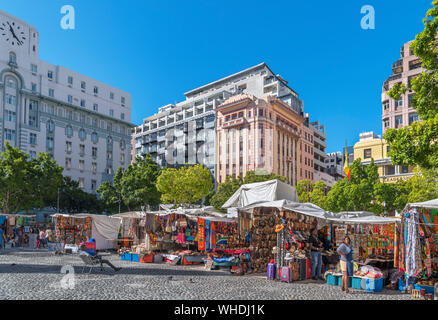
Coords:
36,274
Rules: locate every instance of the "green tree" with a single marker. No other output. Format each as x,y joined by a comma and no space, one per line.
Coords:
304,187
253,177
111,192
357,194
417,144
184,186
318,194
26,182
224,191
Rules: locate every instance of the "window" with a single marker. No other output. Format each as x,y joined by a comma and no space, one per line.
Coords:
123,144
410,100
70,99
51,109
94,167
82,103
96,90
367,153
33,138
390,170
67,163
70,80
51,93
50,74
109,170
10,99
34,68
10,116
50,126
95,107
69,114
12,58
93,185
261,112
9,134
94,152
122,157
111,112
81,165
82,134
386,122
109,155
122,99
398,121
68,146
122,116
82,149
49,142
83,85
404,169
388,148
413,117
398,103
32,121
81,182
34,87
94,137
112,95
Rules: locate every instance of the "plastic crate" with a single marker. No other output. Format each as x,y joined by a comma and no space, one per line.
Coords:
332,280
340,281
356,283
374,285
429,289
135,257
147,258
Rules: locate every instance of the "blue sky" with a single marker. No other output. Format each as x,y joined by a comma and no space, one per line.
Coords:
157,50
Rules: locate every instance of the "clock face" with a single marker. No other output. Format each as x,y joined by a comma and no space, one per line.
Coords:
12,33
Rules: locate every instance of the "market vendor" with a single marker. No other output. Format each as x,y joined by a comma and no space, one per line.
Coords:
99,258
346,253
316,247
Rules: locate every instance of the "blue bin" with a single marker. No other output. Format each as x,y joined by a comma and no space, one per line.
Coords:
135,257
401,285
340,281
374,285
332,280
356,283
126,256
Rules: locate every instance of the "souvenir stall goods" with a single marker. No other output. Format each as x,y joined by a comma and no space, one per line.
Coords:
418,242
72,230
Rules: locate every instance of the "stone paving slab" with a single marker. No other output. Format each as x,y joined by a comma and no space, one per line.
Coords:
36,274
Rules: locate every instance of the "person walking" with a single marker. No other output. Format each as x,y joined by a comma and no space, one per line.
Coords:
316,248
2,238
346,254
42,238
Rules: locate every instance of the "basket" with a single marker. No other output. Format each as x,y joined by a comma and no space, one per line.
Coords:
135,257
332,280
429,289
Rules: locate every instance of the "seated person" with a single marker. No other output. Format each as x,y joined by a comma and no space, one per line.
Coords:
101,261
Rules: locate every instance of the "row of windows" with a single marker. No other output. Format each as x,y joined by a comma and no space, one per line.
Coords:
398,120
398,103
50,74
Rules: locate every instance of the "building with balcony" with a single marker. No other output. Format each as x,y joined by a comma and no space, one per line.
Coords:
371,146
400,113
185,132
83,123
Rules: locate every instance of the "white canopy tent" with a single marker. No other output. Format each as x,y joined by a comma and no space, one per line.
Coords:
104,229
271,190
431,204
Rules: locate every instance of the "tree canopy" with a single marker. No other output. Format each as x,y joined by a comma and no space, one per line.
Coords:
26,182
184,186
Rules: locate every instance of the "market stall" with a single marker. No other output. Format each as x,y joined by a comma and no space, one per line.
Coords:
18,229
79,228
418,248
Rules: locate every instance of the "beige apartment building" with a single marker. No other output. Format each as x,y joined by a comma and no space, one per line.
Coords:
400,113
262,134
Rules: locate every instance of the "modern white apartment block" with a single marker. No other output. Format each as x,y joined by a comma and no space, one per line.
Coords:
184,133
83,123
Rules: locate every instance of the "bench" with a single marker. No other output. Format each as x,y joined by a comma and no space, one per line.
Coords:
90,262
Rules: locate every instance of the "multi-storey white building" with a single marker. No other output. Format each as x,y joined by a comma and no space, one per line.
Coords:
83,123
185,132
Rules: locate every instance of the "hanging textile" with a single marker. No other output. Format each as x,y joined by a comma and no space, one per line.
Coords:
201,234
411,234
